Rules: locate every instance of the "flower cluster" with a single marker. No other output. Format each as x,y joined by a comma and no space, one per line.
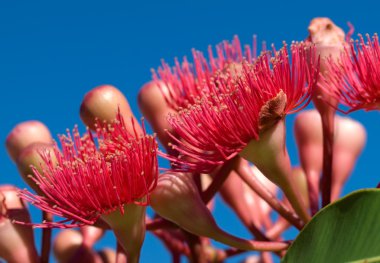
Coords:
237,108
81,183
218,115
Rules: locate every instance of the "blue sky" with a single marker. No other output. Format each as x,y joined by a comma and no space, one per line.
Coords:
51,54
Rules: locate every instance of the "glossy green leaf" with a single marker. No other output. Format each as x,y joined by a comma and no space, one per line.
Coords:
347,230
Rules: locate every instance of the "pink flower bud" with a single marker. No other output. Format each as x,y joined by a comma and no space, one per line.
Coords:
68,247
300,180
252,259
329,41
262,216
107,255
177,199
102,103
155,108
24,134
309,138
349,142
308,133
91,235
17,242
236,197
31,157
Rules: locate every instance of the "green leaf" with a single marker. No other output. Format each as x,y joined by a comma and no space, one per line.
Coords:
347,230
366,260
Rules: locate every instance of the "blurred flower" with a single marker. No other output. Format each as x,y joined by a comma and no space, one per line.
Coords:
354,80
186,83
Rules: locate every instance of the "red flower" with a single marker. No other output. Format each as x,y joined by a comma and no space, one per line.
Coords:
354,80
187,82
222,123
85,183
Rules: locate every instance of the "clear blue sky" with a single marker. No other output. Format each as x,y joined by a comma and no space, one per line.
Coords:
51,54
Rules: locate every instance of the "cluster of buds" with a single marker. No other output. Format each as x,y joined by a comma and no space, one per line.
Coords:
221,121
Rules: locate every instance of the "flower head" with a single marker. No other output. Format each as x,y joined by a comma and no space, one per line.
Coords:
354,80
86,183
187,82
222,123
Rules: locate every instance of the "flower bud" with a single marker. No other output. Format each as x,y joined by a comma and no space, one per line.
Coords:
177,199
17,242
300,179
309,138
349,142
66,244
154,107
329,41
31,157
234,196
328,38
68,247
252,259
24,134
91,235
262,216
249,207
102,103
107,255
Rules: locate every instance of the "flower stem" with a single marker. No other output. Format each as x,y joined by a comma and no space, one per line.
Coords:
312,179
159,223
277,229
196,250
46,238
174,244
328,143
233,241
219,178
247,176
